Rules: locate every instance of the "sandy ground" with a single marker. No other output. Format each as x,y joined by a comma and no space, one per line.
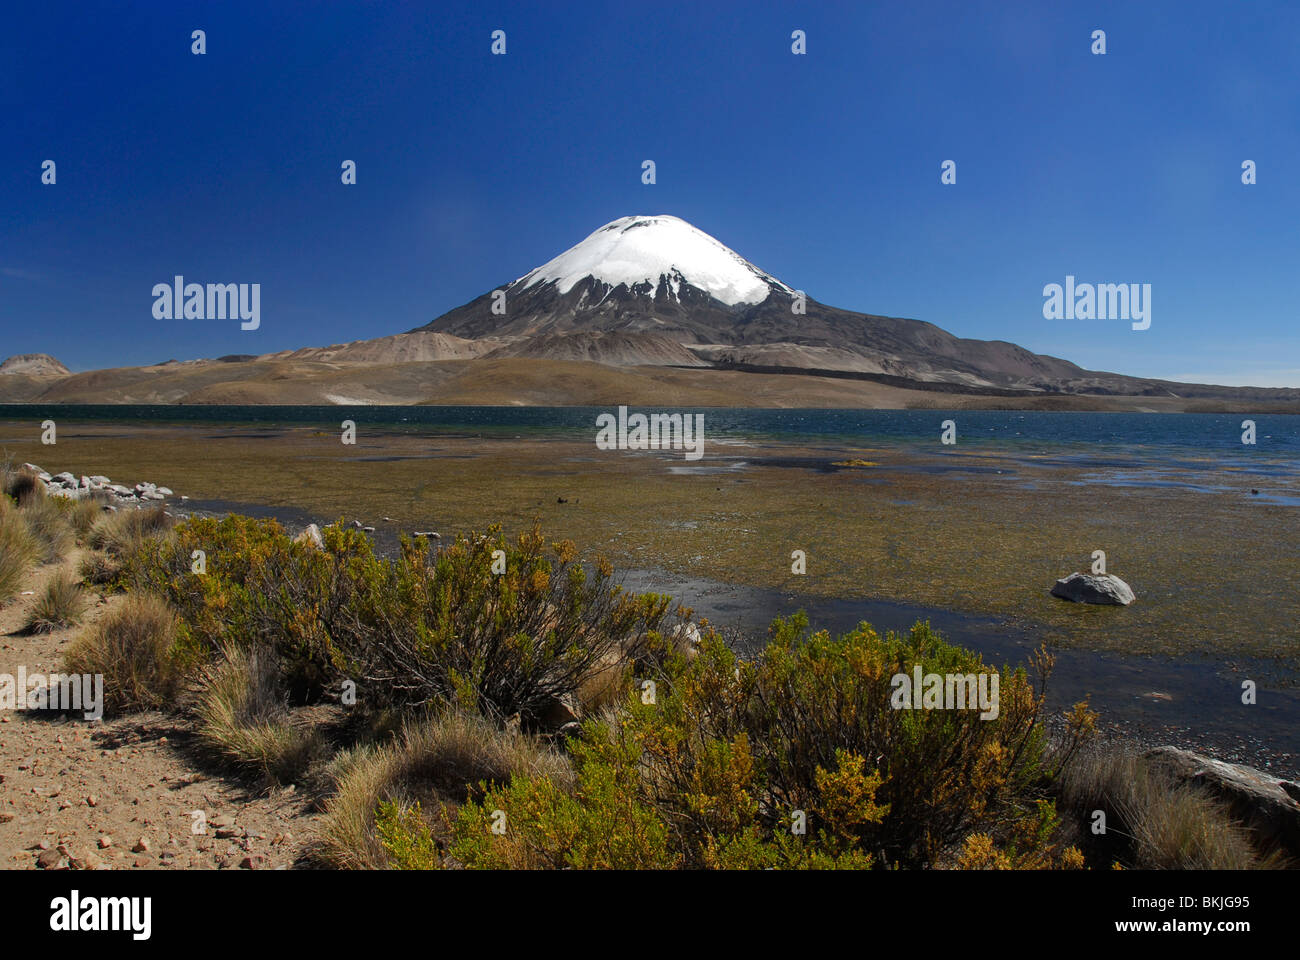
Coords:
123,794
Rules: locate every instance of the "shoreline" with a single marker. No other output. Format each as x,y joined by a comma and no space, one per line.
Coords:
971,537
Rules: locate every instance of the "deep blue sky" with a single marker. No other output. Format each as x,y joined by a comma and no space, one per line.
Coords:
822,169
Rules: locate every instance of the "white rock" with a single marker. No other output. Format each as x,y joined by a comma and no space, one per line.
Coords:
1105,588
311,535
686,637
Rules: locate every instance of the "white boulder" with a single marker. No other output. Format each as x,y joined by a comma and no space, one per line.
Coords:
1105,588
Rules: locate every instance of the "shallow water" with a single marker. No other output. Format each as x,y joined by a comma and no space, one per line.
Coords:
1191,702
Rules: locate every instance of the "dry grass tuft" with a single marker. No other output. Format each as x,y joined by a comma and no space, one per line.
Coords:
1153,822
122,532
61,604
437,759
134,647
243,720
18,550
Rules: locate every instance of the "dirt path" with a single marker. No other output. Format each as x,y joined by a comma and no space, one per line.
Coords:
124,793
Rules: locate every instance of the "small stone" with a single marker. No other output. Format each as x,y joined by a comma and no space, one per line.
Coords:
92,801
105,842
48,859
141,846
254,861
89,862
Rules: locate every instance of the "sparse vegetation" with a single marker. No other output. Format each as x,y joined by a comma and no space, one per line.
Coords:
136,649
18,550
99,568
61,604
128,530
83,514
49,526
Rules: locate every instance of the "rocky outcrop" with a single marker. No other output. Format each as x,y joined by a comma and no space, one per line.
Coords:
69,486
1266,804
34,365
1103,588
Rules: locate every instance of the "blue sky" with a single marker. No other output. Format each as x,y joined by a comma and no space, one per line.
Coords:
822,169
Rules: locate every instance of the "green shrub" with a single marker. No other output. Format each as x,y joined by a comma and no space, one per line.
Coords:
416,630
806,699
135,647
405,836
797,759
61,604
447,628
609,821
601,824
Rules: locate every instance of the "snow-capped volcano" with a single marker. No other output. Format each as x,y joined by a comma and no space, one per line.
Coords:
648,254
654,275
654,290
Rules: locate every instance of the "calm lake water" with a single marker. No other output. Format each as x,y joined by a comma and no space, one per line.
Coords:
1277,435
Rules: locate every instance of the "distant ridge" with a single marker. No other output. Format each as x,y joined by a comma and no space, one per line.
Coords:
646,309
